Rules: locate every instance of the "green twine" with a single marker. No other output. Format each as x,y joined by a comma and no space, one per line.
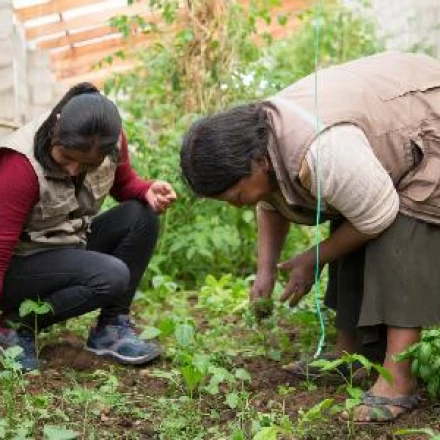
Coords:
318,10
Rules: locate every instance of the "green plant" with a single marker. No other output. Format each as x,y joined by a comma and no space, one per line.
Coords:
318,413
353,392
35,308
13,393
432,435
425,360
224,295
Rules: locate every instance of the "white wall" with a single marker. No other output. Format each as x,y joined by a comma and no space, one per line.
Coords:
27,85
410,24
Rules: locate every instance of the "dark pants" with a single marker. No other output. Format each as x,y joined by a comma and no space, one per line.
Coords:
76,281
345,293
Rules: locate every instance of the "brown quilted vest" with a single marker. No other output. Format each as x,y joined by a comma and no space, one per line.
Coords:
62,216
394,98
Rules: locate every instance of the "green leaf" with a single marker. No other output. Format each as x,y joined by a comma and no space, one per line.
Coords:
405,431
13,352
166,326
238,435
192,377
52,432
150,333
384,373
232,400
243,375
425,351
29,306
184,335
248,216
326,365
3,427
355,393
268,433
351,403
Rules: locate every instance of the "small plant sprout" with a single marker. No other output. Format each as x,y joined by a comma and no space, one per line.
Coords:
38,308
353,393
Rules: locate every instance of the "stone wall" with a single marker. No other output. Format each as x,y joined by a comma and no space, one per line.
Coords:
410,24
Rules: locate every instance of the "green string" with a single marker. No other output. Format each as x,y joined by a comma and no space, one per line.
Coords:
318,10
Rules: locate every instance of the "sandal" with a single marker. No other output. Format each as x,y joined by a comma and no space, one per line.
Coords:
304,370
379,411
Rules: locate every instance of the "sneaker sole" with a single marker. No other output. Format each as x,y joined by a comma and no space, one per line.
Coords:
124,359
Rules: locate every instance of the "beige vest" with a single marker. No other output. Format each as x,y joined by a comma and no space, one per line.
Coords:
394,98
62,216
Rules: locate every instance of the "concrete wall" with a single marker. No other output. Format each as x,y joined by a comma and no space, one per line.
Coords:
27,85
410,24
7,65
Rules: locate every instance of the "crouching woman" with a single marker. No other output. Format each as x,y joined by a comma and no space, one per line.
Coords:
55,173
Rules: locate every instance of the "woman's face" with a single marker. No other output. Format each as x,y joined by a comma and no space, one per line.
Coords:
75,162
250,190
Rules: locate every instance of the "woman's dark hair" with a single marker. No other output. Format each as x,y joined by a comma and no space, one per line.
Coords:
219,150
81,120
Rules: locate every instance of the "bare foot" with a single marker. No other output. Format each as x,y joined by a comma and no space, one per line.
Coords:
382,389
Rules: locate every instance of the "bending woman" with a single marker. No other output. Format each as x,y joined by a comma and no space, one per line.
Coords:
378,146
55,173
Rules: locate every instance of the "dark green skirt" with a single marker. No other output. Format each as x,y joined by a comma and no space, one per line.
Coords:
392,281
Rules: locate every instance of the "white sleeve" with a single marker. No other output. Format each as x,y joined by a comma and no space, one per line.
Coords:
353,181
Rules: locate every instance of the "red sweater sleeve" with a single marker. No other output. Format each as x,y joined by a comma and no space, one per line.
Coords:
128,185
19,193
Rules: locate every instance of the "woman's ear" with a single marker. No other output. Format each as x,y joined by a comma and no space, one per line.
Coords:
263,163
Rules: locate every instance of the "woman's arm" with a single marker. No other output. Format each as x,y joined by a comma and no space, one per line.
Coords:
272,233
355,184
302,267
128,185
19,193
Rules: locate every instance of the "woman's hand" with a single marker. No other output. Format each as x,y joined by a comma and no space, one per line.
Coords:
263,286
260,294
160,196
302,276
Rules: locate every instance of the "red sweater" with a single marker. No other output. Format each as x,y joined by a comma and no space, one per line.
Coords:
20,192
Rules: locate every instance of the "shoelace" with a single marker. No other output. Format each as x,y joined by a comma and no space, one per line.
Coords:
126,329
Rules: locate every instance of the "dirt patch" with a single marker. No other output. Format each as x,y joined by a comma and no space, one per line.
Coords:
69,352
141,386
268,376
66,365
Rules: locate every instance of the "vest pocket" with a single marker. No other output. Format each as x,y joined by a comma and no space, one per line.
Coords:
56,211
402,89
422,184
101,181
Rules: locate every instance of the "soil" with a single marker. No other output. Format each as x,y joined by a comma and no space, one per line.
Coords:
267,377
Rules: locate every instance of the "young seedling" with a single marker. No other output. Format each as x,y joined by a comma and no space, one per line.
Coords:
354,393
38,308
